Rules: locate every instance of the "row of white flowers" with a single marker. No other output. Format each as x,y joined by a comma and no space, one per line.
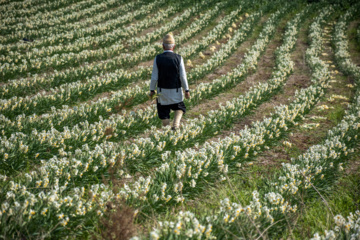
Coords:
51,209
220,56
130,58
349,227
80,167
84,33
63,186
22,86
65,116
61,61
20,14
340,41
46,46
60,53
68,93
19,144
319,162
64,93
346,228
6,5
93,11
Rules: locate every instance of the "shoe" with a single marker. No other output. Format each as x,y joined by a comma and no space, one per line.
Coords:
27,40
165,122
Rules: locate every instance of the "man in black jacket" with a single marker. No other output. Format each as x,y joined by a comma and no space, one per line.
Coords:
170,77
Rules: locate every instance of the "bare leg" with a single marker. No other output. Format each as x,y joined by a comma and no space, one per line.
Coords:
177,119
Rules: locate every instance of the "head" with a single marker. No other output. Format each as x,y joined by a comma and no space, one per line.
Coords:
168,42
168,46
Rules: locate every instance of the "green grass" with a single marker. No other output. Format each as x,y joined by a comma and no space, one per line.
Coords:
353,39
354,46
337,114
238,188
316,216
292,152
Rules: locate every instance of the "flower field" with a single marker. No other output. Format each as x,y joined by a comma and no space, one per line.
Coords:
270,135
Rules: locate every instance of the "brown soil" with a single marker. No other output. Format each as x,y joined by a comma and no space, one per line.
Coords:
168,20
299,79
266,64
100,95
204,32
235,58
354,49
302,139
197,37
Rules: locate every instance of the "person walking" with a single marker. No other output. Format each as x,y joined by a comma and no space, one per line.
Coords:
169,77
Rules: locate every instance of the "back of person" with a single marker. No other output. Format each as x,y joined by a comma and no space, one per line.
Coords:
169,77
168,64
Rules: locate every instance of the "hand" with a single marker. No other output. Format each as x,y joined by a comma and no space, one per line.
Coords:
151,94
187,95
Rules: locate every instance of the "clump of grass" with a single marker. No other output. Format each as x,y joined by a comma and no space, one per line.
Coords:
337,114
316,216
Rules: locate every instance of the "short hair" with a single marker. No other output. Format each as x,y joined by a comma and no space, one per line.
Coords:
168,46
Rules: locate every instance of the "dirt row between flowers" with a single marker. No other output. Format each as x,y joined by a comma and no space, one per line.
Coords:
354,46
325,115
234,60
299,79
197,37
263,72
354,49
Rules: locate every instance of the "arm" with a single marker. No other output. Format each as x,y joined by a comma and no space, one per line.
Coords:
183,79
154,78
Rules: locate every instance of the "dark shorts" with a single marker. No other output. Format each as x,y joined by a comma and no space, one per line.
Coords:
164,110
